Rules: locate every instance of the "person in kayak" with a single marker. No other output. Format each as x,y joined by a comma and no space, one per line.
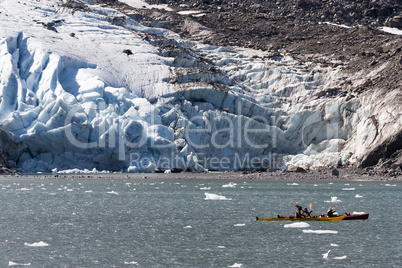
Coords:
299,213
330,212
306,213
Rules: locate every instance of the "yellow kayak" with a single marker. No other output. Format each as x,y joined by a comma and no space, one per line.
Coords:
283,218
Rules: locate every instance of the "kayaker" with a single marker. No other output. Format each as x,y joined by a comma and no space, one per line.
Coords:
305,213
298,213
330,212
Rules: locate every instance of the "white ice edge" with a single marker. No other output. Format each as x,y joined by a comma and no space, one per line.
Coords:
143,5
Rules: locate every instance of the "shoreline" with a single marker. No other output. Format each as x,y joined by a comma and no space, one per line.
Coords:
344,174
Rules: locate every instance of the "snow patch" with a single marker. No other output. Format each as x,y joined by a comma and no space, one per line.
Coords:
391,30
143,5
338,25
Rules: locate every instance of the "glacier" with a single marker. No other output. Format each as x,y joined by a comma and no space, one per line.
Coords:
70,99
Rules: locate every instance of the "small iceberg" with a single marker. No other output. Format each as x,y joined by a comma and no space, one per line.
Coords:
11,263
209,196
236,265
390,185
334,245
240,224
37,244
334,199
319,231
205,188
221,247
229,185
187,227
340,258
293,184
297,225
90,191
113,192
131,262
325,255
358,196
348,189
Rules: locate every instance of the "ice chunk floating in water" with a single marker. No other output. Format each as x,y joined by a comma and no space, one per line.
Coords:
205,188
358,196
131,262
340,258
325,255
229,185
209,196
11,263
319,231
37,244
236,265
334,199
297,225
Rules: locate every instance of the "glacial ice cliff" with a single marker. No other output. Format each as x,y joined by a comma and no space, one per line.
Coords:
70,98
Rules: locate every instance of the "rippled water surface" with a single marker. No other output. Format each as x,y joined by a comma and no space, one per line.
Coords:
164,222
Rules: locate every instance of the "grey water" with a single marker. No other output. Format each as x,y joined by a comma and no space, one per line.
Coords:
165,222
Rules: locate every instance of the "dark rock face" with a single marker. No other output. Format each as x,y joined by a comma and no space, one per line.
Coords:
335,172
390,148
7,150
395,22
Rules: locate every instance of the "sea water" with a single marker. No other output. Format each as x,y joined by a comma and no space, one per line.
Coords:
167,222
